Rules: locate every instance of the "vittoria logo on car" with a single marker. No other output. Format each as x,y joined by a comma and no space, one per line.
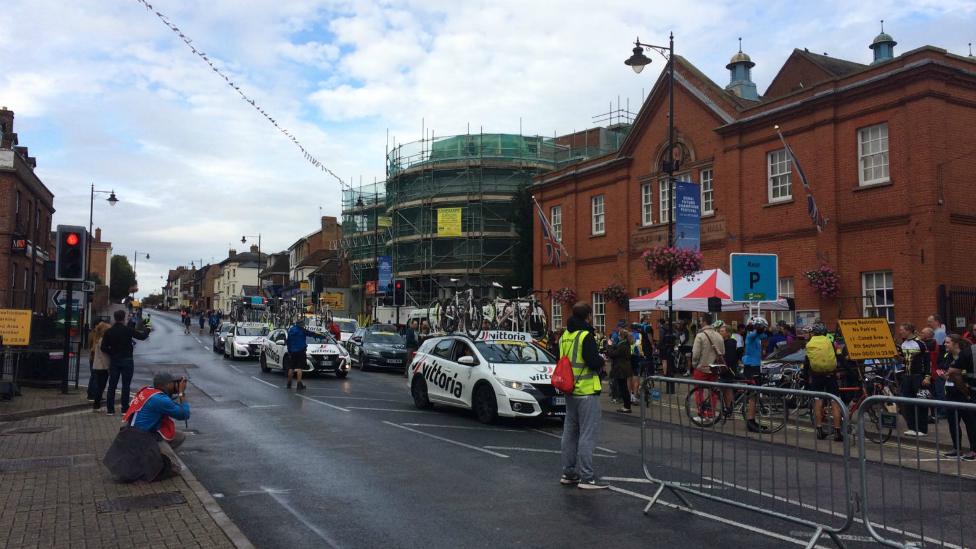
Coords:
432,373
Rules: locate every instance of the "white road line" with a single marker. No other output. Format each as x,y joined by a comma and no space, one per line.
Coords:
319,532
845,537
390,410
463,427
627,479
364,398
324,403
259,380
264,405
205,347
236,369
447,440
553,435
718,518
536,450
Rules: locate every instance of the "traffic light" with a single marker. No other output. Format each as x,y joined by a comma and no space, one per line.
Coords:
71,257
399,292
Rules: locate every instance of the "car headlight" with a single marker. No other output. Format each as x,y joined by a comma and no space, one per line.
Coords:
240,345
374,353
517,385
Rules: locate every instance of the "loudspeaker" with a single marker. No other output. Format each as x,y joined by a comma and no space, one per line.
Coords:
715,305
791,303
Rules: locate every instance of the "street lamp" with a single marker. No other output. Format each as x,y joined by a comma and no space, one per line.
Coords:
112,201
638,61
135,263
244,241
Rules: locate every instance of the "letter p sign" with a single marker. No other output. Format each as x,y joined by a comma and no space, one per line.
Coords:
755,277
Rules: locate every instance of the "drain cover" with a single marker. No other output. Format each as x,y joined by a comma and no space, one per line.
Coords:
139,503
8,465
30,430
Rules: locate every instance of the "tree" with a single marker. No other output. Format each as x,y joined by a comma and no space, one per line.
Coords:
523,219
123,278
152,300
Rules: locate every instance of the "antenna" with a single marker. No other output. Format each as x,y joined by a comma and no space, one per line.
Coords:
882,25
740,44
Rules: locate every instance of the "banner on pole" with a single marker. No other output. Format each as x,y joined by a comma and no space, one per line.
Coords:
687,219
448,221
386,274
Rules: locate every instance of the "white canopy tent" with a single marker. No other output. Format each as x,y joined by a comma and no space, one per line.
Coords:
692,293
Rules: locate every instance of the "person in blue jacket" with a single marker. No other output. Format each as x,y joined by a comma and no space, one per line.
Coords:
296,353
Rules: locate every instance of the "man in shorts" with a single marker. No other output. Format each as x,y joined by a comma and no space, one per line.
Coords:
820,365
752,365
297,345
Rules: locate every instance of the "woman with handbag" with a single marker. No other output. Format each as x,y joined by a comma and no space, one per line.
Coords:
958,376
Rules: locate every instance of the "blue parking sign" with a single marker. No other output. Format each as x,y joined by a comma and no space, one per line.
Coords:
755,277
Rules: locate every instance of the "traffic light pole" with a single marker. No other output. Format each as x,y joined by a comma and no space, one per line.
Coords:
68,305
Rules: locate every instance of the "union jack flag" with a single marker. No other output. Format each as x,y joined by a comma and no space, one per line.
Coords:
553,247
819,221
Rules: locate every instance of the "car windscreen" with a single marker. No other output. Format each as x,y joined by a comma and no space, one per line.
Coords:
513,352
255,331
318,339
383,338
346,326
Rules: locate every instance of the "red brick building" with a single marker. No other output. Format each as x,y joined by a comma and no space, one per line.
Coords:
889,149
26,207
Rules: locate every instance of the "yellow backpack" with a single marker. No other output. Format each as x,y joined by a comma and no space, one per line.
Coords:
820,353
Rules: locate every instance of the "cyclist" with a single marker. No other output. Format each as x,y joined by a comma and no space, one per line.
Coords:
820,366
752,365
186,322
202,321
917,364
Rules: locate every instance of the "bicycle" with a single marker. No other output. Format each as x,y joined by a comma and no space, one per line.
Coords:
702,404
871,384
461,314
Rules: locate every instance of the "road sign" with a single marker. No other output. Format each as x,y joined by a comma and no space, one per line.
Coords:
88,286
15,326
755,277
867,338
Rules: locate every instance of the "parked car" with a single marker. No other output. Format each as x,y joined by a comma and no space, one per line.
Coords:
220,336
323,354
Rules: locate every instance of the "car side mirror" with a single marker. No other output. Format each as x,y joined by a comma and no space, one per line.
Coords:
466,360
357,339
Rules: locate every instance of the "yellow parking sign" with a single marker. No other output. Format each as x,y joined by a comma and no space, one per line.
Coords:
867,338
15,326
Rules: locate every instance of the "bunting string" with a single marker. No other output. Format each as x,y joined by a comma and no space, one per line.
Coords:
309,157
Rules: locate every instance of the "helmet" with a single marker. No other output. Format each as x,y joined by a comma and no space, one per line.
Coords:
758,321
819,329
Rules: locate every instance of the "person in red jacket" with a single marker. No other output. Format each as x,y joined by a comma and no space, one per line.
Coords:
335,331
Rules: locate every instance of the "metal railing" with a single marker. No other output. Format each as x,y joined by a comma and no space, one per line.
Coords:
781,472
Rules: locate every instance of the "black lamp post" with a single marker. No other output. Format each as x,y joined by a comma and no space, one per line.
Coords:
244,241
112,201
638,61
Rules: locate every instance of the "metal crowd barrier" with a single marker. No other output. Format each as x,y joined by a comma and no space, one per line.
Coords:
785,473
908,486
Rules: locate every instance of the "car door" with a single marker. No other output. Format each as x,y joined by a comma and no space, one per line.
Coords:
466,374
275,348
439,371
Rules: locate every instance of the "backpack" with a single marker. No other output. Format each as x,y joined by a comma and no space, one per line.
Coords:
636,350
820,353
562,376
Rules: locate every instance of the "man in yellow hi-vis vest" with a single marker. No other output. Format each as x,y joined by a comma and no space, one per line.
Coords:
582,424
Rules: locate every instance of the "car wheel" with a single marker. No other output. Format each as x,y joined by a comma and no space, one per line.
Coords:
485,406
418,389
341,374
264,363
362,361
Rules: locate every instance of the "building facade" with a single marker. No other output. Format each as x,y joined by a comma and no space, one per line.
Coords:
26,207
887,147
237,271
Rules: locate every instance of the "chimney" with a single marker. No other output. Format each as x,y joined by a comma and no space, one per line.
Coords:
98,234
232,252
6,128
254,249
330,226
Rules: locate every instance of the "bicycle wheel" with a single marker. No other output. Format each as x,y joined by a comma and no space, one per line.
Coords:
872,426
771,412
702,406
471,317
448,317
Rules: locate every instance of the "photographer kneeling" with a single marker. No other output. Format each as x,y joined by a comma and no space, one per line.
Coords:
143,449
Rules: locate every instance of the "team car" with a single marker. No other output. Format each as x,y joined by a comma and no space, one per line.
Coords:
497,374
245,340
379,347
220,336
323,354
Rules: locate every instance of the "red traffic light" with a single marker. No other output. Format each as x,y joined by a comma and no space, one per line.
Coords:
72,239
398,285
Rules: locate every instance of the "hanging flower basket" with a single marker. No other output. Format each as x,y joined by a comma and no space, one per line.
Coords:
565,296
616,293
664,262
824,281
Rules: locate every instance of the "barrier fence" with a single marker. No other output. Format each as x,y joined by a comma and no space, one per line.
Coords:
904,492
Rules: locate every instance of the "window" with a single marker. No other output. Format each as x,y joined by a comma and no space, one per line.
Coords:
557,315
599,313
443,348
647,204
598,219
665,204
780,168
879,294
872,154
556,220
17,206
785,290
707,194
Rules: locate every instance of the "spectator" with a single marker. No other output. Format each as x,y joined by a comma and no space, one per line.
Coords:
707,351
727,374
775,339
970,334
935,380
958,389
740,340
99,363
916,356
939,329
620,367
117,344
296,343
752,365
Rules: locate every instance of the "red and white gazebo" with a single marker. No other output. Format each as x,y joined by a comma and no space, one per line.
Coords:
692,294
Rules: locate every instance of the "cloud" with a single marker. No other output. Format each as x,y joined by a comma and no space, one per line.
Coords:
105,94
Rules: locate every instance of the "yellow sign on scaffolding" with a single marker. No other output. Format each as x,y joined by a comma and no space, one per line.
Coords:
448,221
335,300
384,221
15,325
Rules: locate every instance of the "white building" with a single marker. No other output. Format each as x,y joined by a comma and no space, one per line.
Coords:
236,272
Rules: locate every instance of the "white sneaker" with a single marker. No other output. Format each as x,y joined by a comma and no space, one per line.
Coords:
911,433
697,420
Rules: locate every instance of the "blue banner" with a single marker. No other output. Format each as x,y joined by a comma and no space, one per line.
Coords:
386,274
687,219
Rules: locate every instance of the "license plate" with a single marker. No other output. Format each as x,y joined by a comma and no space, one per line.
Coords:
558,401
393,361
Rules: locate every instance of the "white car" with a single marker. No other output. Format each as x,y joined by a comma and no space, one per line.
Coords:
347,327
497,374
323,354
245,340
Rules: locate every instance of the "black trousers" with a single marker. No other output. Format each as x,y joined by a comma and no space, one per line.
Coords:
917,417
623,392
956,417
99,380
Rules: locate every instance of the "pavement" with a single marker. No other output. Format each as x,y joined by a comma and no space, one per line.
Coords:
54,491
352,463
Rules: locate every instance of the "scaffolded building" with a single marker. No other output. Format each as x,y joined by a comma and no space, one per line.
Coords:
445,213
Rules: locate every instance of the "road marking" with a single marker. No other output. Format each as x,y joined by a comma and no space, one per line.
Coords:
321,534
536,450
324,403
265,382
846,537
264,405
236,369
721,519
205,347
554,435
390,410
364,398
447,440
628,479
464,427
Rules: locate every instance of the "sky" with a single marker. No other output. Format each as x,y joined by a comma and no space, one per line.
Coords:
105,94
